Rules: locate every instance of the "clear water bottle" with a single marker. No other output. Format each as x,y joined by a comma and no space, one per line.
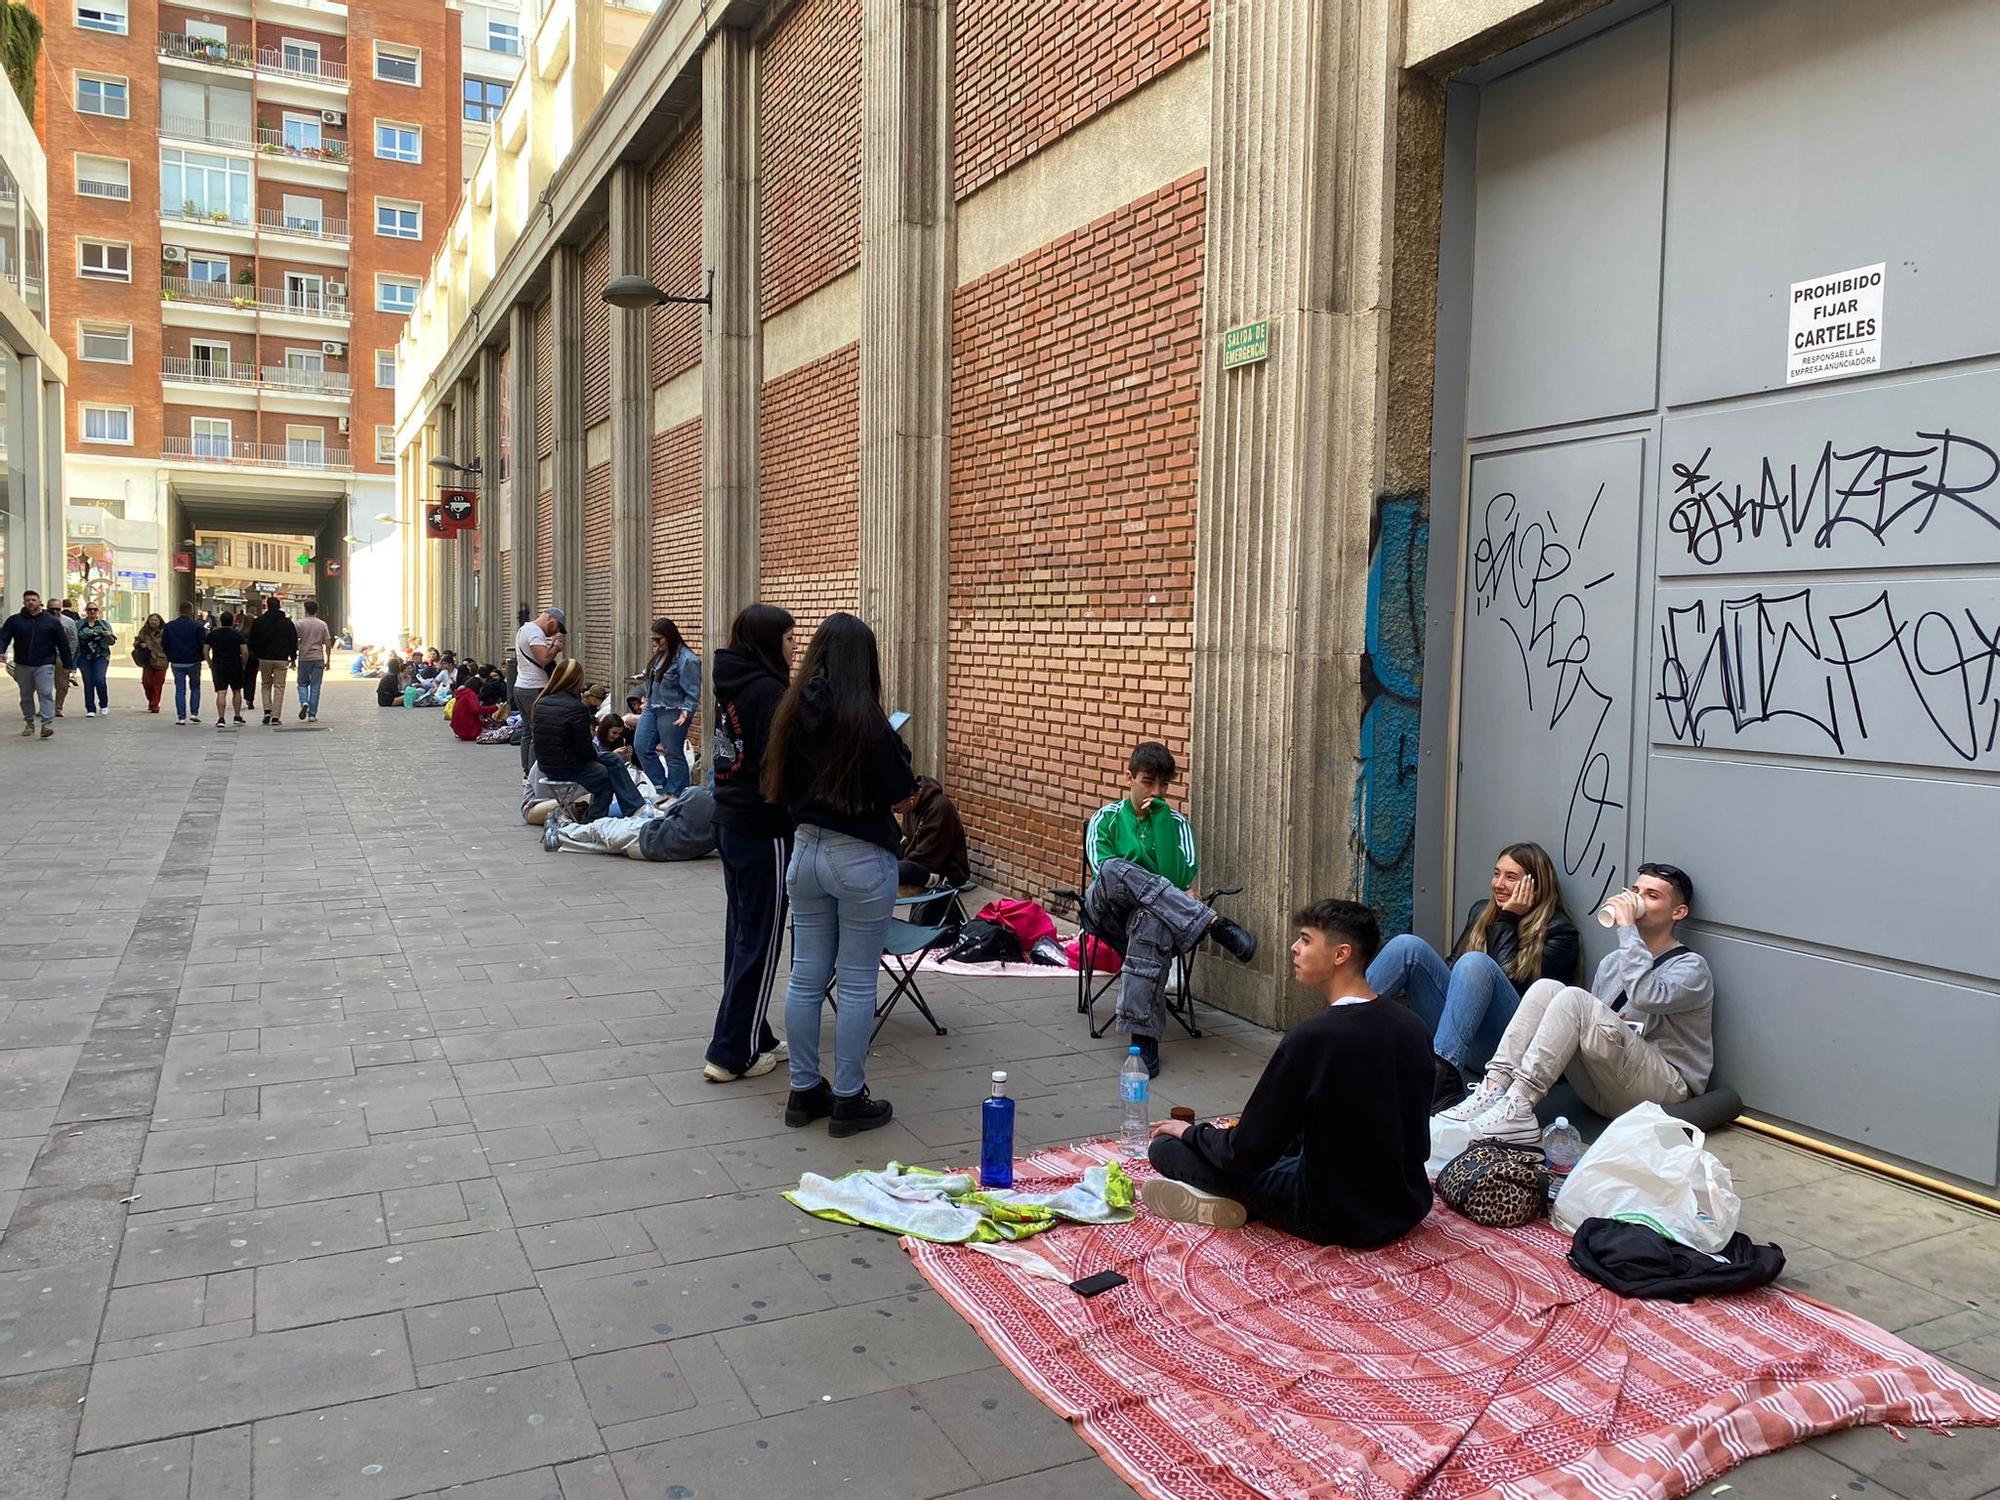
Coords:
996,1137
1562,1145
1138,1122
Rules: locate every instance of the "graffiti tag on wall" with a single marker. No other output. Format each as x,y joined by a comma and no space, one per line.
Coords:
1384,822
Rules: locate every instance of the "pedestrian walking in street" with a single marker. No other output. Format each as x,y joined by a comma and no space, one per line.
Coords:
65,615
95,638
537,644
149,655
274,641
841,770
185,640
754,837
672,693
314,640
228,666
41,650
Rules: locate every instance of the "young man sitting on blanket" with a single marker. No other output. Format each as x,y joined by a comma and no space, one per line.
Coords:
1331,1146
1640,1033
1139,855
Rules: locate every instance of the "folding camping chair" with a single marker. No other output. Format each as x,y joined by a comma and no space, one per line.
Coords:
907,944
1091,986
567,794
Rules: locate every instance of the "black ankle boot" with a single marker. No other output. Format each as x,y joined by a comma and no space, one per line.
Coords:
803,1106
1238,943
1149,1053
852,1116
1449,1087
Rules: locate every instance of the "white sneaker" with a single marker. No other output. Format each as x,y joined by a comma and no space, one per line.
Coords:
716,1073
1511,1119
761,1064
1191,1205
1476,1103
90,713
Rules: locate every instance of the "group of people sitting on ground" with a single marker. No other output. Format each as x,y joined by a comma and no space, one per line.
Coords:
433,679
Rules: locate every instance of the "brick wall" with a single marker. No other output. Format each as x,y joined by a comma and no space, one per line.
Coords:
809,149
1029,70
673,253
596,331
809,481
545,409
597,573
675,529
1076,384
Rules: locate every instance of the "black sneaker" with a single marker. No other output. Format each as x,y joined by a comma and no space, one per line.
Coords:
1236,941
302,713
852,1116
1149,1053
803,1106
1449,1087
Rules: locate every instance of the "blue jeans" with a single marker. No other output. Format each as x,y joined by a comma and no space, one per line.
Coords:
1467,1003
187,689
843,891
661,747
95,672
38,690
605,780
311,674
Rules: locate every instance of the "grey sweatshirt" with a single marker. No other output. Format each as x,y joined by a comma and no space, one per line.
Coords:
1674,1003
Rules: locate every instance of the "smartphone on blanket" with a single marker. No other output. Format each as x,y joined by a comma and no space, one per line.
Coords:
1103,1281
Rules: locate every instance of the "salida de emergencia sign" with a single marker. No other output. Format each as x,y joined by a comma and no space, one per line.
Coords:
1836,325
1246,344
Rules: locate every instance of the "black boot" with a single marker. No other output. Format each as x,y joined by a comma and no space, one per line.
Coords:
1149,1053
803,1106
1238,943
1450,1085
859,1113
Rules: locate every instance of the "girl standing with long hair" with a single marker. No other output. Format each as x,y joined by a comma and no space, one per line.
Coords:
754,838
673,692
836,763
1522,933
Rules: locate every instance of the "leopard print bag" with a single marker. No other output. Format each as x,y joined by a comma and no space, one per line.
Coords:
1495,1183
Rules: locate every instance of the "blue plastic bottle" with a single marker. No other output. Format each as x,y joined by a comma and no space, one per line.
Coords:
996,1137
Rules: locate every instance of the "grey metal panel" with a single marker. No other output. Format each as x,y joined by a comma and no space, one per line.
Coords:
1545,716
1566,254
1768,854
1888,474
1890,1062
1899,669
1814,136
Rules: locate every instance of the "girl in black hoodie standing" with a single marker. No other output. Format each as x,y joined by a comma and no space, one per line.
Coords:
754,838
836,763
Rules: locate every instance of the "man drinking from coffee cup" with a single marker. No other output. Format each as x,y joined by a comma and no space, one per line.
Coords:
1640,1032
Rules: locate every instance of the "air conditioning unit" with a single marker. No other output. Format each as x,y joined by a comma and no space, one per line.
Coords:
343,424
332,117
174,253
330,347
336,289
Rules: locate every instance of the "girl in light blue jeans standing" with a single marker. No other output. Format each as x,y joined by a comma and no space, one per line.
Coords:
673,691
839,768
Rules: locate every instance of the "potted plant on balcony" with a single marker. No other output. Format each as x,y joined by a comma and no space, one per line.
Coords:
190,209
246,277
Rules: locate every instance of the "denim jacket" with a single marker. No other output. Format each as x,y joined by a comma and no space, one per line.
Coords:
676,687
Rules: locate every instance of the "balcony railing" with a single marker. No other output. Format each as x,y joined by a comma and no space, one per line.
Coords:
331,148
289,301
279,377
193,213
269,60
276,221
87,188
203,450
208,132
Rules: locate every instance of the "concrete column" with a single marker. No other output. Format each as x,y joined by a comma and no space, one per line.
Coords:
1302,155
495,631
907,272
631,429
731,347
464,551
523,460
566,295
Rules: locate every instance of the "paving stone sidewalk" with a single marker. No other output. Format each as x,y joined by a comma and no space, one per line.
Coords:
353,1146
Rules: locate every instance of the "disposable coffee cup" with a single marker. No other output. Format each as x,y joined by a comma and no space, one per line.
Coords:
1181,1112
1605,916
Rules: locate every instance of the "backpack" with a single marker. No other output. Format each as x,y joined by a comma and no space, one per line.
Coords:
984,941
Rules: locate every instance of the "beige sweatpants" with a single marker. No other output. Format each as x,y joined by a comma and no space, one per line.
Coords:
271,683
1562,1027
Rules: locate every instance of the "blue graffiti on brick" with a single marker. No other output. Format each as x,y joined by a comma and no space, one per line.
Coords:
1384,824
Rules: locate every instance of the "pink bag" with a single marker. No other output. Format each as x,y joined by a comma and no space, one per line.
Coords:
1104,959
1025,919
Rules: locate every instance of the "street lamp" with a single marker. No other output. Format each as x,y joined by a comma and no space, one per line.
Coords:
453,466
388,520
637,294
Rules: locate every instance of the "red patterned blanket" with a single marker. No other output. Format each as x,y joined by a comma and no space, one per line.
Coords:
1458,1362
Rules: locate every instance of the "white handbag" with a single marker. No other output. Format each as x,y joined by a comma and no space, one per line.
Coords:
1650,1168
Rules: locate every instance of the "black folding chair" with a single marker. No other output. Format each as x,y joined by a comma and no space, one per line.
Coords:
1092,987
907,944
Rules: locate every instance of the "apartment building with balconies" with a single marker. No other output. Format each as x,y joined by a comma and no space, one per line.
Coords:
244,199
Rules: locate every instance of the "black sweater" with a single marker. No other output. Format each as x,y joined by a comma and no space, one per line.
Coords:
746,697
1560,947
1350,1090
563,743
886,776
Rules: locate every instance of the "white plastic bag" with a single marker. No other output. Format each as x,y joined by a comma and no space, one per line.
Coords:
1650,1168
1448,1138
